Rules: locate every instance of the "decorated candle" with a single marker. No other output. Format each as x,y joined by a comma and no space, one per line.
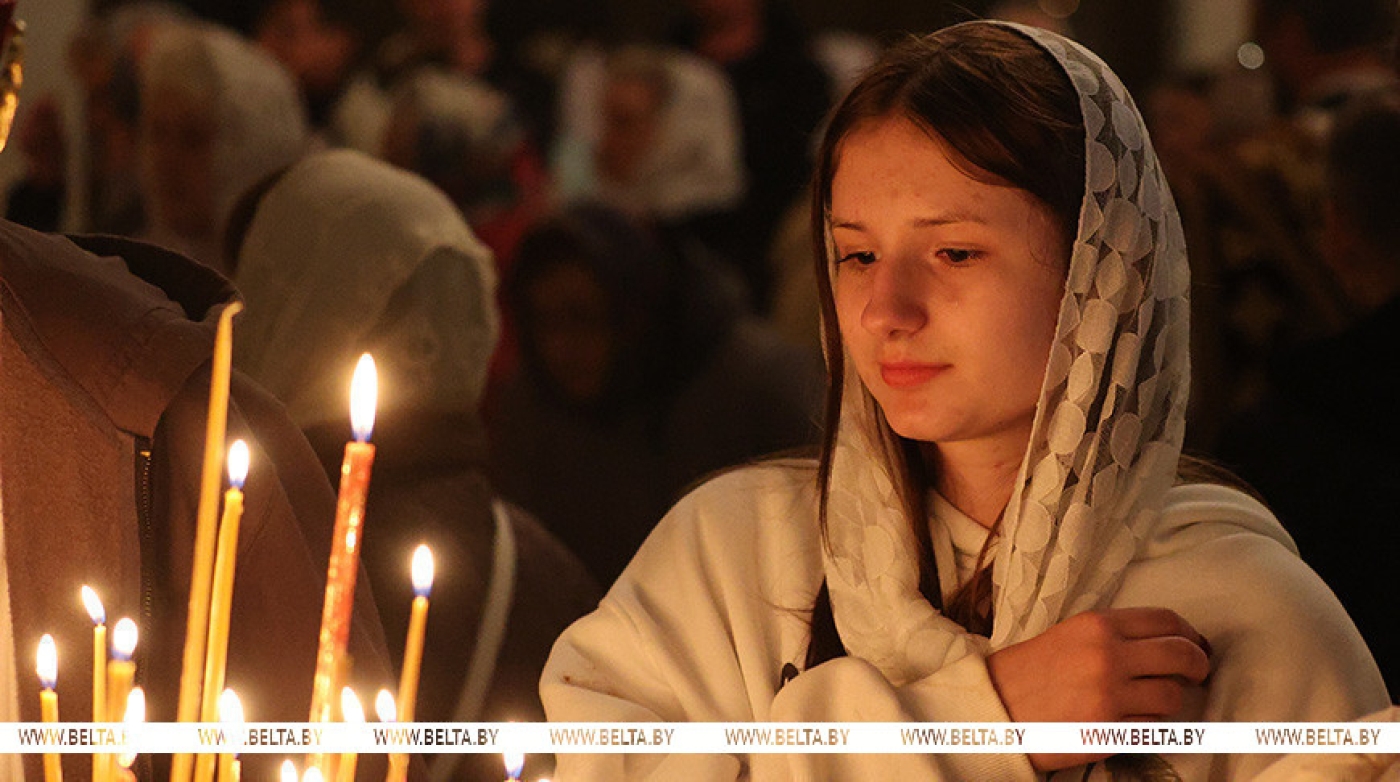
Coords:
345,543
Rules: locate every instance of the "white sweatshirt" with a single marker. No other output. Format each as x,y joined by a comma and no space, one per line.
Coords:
701,623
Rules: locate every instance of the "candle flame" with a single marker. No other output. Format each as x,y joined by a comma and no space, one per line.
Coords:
312,774
237,464
135,706
364,393
47,663
422,570
289,771
93,604
124,639
515,763
350,708
230,707
384,707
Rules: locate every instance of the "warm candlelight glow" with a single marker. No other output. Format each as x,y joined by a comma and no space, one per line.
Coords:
384,707
47,664
135,706
312,774
351,712
134,714
515,763
124,639
237,464
230,713
230,708
364,393
422,571
289,771
93,604
350,708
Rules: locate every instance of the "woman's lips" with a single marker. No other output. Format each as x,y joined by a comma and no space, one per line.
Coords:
908,375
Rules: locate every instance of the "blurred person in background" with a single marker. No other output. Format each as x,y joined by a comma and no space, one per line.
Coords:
640,373
783,92
217,115
1265,228
344,254
466,138
317,43
656,132
1321,445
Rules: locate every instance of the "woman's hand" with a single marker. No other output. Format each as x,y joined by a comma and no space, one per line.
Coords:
1100,666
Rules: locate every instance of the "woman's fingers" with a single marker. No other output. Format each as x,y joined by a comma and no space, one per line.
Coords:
1153,698
1169,655
1149,622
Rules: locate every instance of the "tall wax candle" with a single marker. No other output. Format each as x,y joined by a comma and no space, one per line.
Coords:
202,572
352,712
47,667
121,669
98,614
221,599
345,544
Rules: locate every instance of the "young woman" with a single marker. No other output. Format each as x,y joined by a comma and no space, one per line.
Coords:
997,528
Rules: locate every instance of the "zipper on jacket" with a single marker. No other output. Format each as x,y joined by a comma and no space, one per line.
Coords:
144,505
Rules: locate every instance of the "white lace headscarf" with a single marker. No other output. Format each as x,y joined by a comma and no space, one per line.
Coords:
1107,432
347,254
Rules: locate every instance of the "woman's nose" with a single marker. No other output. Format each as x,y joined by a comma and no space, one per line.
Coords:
897,302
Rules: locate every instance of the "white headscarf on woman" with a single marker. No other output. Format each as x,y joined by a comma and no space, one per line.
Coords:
347,254
257,115
1107,433
695,161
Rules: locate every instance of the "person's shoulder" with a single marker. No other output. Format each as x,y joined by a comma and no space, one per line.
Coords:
769,483
1194,513
736,510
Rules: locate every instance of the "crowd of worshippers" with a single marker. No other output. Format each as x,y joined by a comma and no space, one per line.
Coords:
585,269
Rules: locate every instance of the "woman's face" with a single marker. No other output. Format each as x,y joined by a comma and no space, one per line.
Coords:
573,332
947,288
179,134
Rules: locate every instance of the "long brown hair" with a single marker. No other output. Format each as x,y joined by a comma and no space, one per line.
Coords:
1011,116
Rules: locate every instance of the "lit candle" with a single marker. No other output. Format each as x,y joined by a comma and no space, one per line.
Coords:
93,604
230,713
202,574
221,599
312,774
134,714
387,712
352,712
515,763
47,668
413,650
345,543
289,771
121,669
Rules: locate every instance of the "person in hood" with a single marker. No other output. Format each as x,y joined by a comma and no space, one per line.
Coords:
105,359
346,254
640,374
1000,526
217,115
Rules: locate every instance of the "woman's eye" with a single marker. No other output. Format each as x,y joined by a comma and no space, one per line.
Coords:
957,256
864,258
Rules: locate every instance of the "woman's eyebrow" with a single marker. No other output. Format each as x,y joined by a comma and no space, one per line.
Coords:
949,218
